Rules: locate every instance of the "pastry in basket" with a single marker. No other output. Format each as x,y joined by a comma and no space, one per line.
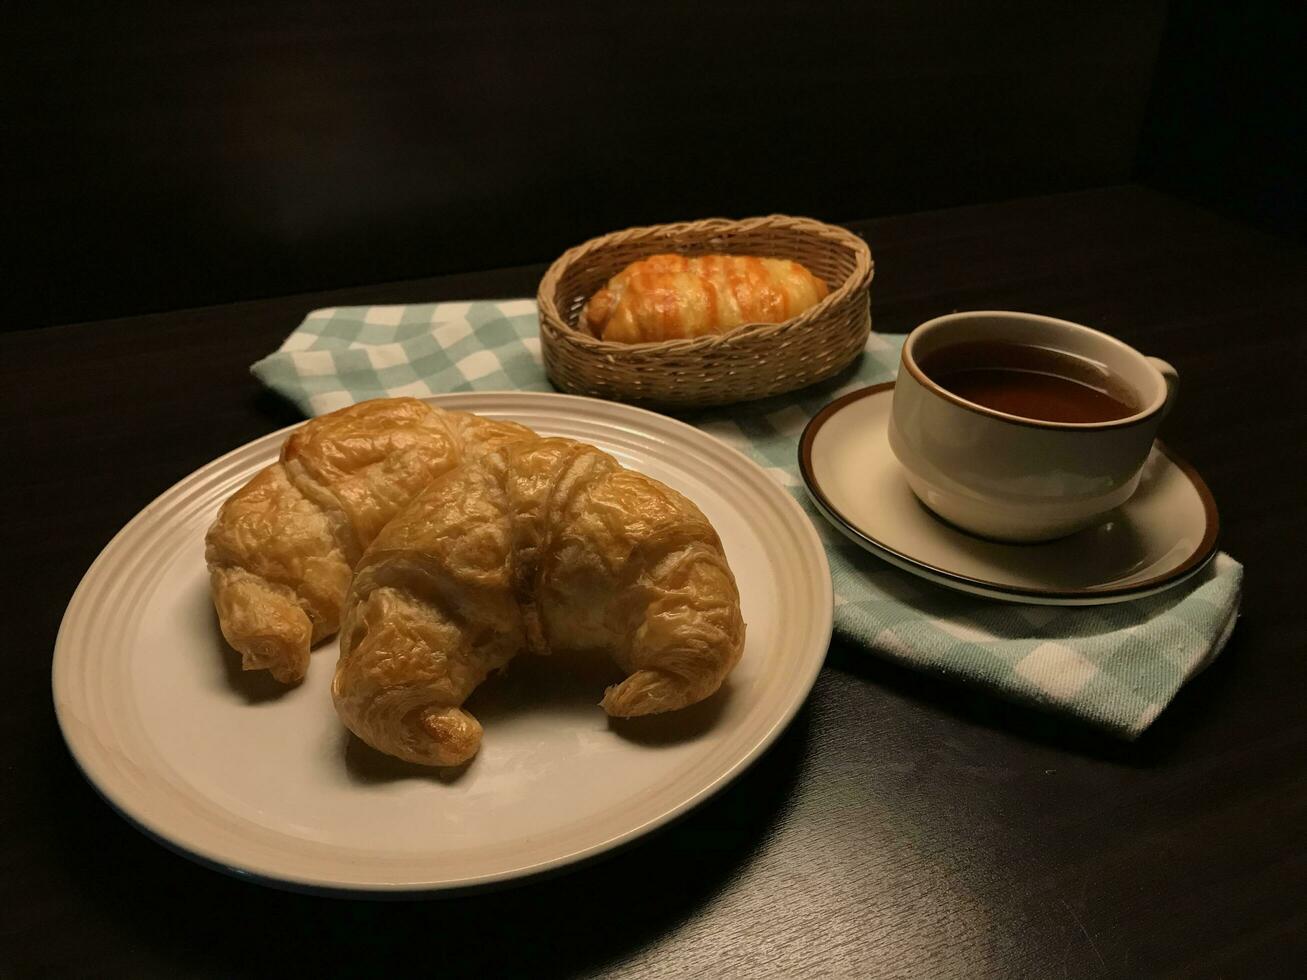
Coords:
283,547
665,297
545,544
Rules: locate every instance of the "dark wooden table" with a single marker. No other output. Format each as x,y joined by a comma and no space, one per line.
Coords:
899,827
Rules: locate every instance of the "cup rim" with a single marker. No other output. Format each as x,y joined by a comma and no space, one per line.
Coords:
908,360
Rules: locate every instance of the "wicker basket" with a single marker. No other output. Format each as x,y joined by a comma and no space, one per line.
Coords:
751,361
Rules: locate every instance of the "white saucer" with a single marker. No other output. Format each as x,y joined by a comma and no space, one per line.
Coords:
1164,534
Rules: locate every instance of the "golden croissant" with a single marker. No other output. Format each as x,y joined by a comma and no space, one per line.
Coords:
282,550
543,544
665,297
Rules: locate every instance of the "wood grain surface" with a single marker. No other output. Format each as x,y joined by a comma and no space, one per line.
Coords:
900,827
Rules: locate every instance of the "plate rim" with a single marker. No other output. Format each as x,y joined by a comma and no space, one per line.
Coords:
102,781
1193,563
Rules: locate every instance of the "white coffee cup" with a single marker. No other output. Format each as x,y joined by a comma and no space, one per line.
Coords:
1012,478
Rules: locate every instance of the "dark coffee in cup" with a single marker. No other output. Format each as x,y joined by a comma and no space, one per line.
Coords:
1031,382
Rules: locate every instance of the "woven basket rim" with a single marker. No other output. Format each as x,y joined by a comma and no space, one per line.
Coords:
859,279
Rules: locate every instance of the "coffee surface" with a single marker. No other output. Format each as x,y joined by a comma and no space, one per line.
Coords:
1035,383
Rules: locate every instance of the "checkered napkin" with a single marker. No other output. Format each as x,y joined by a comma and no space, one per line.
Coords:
1114,667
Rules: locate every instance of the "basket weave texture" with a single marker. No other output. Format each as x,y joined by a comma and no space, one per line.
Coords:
751,361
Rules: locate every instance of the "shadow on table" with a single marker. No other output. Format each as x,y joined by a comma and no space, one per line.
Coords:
195,920
279,409
1159,743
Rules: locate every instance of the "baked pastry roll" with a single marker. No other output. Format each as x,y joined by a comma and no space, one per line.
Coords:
283,547
544,544
665,297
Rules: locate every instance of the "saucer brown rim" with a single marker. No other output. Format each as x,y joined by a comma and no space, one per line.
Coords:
1200,556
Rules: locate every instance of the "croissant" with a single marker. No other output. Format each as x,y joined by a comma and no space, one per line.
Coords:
544,544
668,296
282,549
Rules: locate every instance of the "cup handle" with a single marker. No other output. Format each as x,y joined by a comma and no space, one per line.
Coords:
1172,379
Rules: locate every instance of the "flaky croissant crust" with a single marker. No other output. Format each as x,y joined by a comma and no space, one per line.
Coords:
540,545
282,549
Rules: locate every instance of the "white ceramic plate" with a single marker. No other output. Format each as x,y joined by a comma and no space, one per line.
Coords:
252,778
1162,535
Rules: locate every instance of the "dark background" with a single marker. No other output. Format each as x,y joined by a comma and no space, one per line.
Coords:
155,156
170,155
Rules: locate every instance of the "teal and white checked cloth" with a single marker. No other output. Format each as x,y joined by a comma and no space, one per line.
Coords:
1114,667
